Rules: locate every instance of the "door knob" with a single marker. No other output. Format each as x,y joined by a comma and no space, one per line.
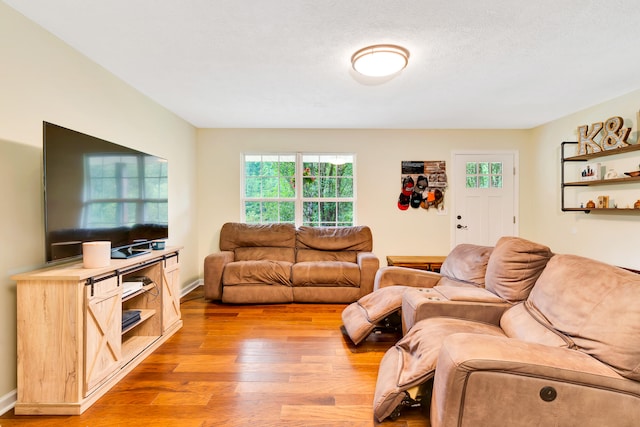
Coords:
461,227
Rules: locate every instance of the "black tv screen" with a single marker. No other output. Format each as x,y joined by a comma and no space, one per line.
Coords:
97,190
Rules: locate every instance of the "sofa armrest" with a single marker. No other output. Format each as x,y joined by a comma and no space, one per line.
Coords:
213,268
488,380
391,276
476,304
368,264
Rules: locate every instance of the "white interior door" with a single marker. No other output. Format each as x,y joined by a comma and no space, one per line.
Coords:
485,199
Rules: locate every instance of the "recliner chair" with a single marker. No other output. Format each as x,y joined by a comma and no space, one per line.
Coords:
568,356
475,282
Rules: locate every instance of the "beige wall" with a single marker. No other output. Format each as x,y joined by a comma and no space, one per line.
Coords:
612,238
608,237
378,157
43,79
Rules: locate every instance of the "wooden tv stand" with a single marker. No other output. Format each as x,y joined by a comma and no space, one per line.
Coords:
71,345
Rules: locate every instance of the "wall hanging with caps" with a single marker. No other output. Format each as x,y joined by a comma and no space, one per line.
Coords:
422,184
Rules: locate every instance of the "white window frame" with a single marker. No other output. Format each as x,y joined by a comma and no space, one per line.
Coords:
298,198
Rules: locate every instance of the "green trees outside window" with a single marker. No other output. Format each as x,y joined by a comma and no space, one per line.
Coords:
326,196
484,175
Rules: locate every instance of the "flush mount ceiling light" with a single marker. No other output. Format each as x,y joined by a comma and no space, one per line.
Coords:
380,60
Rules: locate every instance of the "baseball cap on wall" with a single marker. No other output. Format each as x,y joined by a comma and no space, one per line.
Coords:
404,201
407,185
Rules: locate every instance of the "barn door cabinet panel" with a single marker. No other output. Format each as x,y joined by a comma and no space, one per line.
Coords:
72,346
630,184
102,348
171,292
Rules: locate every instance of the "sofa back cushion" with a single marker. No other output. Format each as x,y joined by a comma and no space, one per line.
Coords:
467,263
234,235
357,238
514,267
310,255
595,304
264,253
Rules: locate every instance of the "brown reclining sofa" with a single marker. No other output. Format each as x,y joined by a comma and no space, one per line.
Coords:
279,263
564,350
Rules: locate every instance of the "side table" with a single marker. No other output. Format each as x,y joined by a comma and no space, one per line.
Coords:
419,262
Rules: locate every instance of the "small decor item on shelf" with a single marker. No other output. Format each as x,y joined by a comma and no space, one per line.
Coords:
591,204
592,172
611,174
96,254
636,205
633,173
603,202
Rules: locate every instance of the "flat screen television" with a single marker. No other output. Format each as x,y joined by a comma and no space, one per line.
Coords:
95,190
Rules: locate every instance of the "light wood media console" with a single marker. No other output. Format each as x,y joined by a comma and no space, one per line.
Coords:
71,345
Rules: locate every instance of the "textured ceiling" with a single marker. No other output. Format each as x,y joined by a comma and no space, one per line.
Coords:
286,63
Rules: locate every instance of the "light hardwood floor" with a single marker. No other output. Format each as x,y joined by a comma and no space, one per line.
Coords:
257,365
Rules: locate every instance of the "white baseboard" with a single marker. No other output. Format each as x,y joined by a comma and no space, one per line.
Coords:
190,287
8,401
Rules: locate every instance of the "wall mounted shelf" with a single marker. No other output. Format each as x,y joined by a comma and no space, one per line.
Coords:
614,181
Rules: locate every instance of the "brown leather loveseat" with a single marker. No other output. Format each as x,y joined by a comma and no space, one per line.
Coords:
279,263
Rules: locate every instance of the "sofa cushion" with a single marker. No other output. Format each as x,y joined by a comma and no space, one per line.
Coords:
520,322
356,238
323,273
467,263
235,234
467,293
595,304
308,255
257,272
514,267
265,253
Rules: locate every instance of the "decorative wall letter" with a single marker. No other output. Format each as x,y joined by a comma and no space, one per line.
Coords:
615,136
586,144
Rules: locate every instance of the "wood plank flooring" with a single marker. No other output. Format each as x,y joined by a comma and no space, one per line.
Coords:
257,365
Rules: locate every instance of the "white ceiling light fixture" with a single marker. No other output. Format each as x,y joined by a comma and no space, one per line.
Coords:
380,60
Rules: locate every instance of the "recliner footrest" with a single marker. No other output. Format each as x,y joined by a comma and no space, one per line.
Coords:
363,316
412,361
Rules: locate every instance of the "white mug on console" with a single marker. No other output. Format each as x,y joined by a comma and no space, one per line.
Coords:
96,254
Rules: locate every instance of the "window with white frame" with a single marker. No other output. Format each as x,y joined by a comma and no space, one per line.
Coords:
325,198
484,175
